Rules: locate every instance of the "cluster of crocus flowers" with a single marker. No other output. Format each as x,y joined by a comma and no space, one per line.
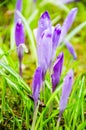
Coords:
19,34
48,38
47,41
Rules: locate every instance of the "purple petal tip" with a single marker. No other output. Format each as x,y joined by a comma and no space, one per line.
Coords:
45,15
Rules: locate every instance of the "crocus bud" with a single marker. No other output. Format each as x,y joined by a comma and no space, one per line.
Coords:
19,39
67,86
19,33
57,69
36,85
68,23
71,49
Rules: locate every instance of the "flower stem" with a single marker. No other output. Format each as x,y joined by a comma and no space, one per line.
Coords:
58,121
34,117
20,67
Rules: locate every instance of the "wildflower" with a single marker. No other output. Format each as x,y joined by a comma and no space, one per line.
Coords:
47,41
57,35
19,35
67,86
37,82
57,69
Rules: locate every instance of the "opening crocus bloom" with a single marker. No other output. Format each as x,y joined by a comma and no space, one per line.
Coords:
57,69
47,41
67,86
36,85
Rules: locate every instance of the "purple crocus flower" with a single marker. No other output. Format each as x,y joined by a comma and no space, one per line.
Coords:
47,41
57,35
37,82
19,39
57,69
19,35
67,86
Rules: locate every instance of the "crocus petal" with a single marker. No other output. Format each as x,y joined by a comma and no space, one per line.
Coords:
68,23
55,38
19,5
67,86
71,49
19,33
19,8
44,23
37,82
44,50
57,69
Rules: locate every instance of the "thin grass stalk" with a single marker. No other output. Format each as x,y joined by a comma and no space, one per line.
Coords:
47,106
3,95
